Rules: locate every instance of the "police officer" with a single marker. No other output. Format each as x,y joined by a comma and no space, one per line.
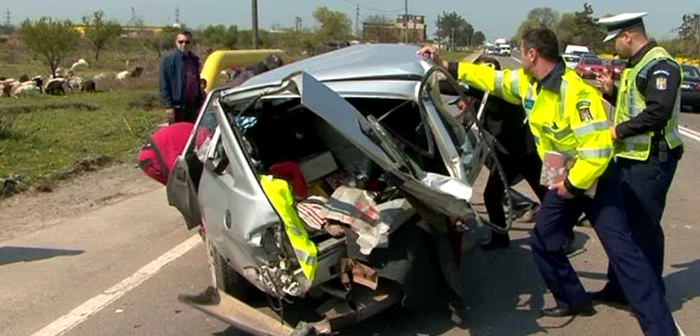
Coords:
566,116
647,143
518,156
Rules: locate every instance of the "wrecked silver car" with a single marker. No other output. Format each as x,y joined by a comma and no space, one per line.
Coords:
339,182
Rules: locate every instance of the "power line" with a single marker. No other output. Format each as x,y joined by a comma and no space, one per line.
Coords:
374,9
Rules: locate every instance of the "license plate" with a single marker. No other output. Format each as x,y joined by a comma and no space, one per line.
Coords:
685,86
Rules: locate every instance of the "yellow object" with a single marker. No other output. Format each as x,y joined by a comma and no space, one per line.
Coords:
631,102
224,59
280,195
571,121
315,188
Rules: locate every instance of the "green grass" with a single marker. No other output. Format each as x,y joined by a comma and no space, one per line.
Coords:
49,134
454,55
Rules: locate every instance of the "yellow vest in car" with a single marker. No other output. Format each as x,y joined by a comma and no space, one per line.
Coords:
280,195
631,102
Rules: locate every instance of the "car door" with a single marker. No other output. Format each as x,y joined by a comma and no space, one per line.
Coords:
444,194
185,176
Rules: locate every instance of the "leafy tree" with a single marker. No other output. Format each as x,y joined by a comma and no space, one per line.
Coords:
221,35
50,40
100,32
379,20
479,38
689,34
335,25
454,27
587,30
545,16
162,41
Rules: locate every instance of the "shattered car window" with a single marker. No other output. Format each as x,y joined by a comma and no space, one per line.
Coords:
206,128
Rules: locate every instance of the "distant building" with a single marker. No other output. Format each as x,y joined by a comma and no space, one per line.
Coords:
130,31
396,32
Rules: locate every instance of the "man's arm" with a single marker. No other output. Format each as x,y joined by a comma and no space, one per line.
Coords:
612,96
591,129
506,84
660,95
164,82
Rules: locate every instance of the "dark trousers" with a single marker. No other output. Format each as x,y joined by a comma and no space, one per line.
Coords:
530,167
188,112
607,214
645,185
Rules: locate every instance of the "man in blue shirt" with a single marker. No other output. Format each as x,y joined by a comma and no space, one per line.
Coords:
180,81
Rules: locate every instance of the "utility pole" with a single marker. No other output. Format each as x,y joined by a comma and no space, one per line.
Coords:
297,24
177,15
357,21
8,22
405,19
256,37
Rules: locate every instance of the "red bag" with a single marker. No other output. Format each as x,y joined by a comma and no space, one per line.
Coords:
158,155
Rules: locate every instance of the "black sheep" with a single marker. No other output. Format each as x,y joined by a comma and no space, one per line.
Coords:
55,87
88,86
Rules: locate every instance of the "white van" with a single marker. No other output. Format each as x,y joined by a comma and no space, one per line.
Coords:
576,49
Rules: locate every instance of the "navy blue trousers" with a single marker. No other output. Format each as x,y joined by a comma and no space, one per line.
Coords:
645,185
607,214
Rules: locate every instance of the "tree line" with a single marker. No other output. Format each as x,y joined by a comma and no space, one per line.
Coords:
581,28
52,40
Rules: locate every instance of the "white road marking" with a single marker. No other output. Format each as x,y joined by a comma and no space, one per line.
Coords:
81,313
689,133
517,60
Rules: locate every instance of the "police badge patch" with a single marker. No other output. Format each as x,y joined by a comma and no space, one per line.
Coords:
584,110
661,83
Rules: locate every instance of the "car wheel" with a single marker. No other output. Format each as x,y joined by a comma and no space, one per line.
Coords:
224,277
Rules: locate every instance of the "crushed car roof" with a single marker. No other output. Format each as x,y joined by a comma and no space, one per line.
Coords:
358,62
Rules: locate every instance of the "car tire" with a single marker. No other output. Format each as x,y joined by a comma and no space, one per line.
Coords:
224,277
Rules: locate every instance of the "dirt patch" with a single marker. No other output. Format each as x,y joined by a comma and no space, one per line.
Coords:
34,210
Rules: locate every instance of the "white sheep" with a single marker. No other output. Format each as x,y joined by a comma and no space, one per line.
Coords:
99,77
28,88
80,63
75,82
122,75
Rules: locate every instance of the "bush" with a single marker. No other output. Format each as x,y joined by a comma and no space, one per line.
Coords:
6,123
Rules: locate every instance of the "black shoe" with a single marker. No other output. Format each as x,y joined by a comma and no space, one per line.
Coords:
605,296
563,312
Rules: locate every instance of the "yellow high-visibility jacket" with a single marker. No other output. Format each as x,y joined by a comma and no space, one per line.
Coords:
565,115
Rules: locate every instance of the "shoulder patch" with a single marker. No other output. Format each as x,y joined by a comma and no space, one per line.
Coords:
584,110
661,83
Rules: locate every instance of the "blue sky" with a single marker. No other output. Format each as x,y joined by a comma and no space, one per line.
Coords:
495,18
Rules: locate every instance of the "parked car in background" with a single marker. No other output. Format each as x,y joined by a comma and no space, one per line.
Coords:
589,67
690,88
571,60
616,66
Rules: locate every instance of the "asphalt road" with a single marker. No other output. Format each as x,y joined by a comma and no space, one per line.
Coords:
118,270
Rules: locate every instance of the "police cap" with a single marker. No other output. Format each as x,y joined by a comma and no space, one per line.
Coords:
619,23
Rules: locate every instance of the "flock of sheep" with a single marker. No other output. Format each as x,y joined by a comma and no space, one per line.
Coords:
61,82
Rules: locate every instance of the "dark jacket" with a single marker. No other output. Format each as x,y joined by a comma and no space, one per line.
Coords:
172,79
503,120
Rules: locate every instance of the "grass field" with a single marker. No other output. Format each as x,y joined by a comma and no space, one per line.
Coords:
48,135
